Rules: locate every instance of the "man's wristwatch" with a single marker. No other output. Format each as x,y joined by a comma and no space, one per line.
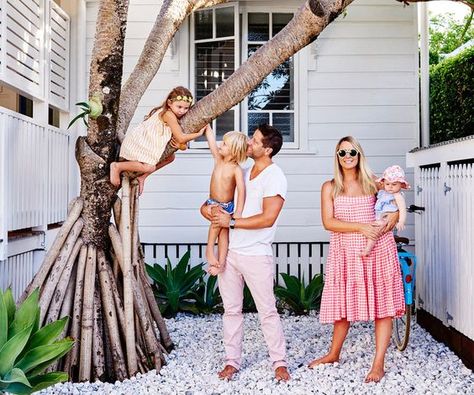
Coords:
232,223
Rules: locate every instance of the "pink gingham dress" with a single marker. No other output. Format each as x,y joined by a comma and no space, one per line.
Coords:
360,288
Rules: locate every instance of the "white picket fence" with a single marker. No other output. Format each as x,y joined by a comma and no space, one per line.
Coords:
444,185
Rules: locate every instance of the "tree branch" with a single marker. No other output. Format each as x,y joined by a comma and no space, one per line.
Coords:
105,74
167,23
469,3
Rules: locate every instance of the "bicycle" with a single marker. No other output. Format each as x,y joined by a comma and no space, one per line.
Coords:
402,325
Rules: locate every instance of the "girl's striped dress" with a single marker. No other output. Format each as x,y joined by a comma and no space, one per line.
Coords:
147,141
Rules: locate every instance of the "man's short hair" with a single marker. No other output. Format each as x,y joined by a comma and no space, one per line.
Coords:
272,138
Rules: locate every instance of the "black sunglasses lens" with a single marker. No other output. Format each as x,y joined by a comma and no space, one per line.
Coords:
342,153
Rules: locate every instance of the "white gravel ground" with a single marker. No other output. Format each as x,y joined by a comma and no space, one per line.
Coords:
425,367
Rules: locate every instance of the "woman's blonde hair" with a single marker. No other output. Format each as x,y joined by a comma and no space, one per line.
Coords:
179,91
237,143
364,174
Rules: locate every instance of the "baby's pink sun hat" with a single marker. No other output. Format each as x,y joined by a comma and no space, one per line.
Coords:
395,174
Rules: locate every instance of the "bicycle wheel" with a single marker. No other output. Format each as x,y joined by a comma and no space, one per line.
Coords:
401,328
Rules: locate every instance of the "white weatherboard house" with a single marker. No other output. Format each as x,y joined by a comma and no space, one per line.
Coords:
359,78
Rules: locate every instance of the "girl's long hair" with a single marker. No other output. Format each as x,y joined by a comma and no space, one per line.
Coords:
364,174
178,91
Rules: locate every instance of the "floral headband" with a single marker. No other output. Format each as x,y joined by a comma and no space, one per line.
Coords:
185,98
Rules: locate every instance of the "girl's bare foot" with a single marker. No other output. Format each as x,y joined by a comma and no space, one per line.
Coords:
227,373
375,374
326,359
141,183
114,174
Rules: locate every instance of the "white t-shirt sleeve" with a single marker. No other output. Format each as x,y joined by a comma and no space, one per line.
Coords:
275,184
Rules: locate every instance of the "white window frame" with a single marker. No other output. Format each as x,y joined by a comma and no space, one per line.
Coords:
300,78
193,42
296,66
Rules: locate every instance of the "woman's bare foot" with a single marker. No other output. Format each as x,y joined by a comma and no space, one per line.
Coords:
282,374
114,174
375,374
227,373
326,359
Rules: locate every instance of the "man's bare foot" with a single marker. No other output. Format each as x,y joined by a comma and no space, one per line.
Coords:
114,174
227,373
320,361
141,183
282,374
375,374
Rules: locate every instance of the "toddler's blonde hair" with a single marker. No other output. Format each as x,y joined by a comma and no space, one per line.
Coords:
237,142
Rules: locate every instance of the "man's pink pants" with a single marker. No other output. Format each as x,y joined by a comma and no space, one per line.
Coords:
257,272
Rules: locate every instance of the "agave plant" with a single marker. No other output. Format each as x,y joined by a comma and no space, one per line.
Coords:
26,349
298,298
207,296
175,288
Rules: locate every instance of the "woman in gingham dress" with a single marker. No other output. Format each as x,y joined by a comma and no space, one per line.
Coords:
358,288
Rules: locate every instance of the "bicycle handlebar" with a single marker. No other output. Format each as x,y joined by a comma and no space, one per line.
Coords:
413,209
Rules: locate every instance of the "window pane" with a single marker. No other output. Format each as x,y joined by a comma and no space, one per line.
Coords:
214,63
284,122
255,119
225,22
275,92
279,21
203,24
224,124
258,26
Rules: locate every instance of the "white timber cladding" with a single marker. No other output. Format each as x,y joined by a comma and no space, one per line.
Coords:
22,45
444,185
359,78
58,48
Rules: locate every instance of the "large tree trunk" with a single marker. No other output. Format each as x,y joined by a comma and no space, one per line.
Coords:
112,320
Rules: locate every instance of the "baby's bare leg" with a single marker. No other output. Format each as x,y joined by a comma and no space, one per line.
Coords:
211,240
371,243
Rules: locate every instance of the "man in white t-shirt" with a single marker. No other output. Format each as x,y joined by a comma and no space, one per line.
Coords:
250,255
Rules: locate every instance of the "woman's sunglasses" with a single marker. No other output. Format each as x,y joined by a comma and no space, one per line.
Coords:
342,152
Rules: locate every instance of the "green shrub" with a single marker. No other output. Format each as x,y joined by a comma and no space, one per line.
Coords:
175,288
26,349
452,97
298,298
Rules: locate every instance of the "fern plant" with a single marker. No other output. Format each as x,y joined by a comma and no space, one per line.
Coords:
298,298
26,349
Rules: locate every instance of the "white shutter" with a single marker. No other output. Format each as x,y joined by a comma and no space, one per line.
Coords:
22,45
59,31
